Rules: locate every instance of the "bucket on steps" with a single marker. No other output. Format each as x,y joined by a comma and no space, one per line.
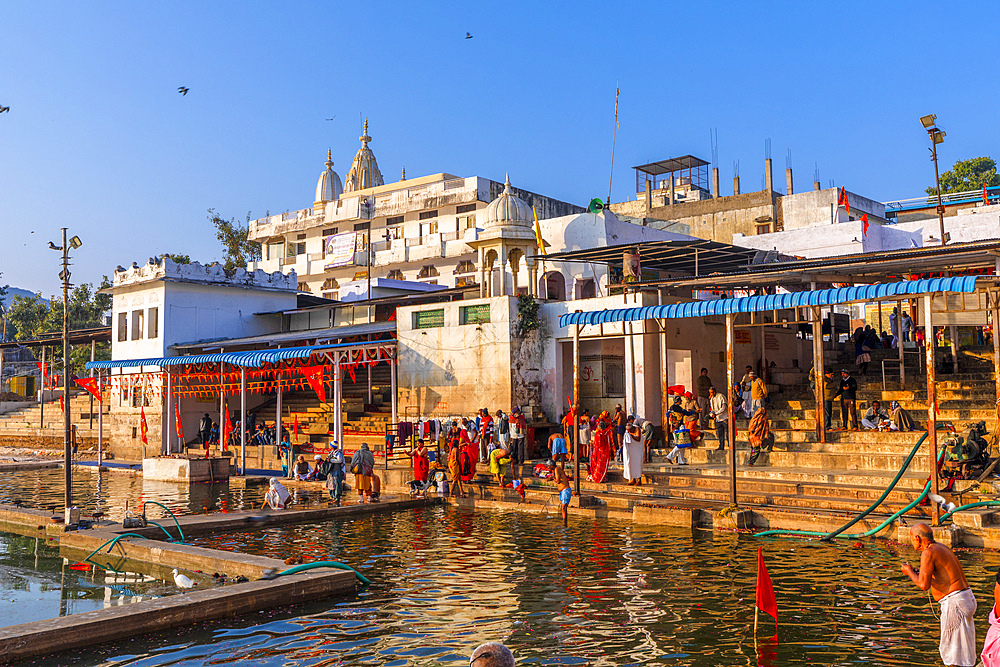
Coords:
443,487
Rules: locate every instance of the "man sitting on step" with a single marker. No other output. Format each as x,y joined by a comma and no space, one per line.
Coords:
877,418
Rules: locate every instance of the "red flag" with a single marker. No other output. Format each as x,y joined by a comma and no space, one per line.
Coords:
227,428
617,90
62,403
842,200
90,384
766,601
143,427
180,425
314,376
864,227
350,369
986,197
295,428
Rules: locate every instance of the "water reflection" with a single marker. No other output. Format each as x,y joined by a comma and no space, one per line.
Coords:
594,592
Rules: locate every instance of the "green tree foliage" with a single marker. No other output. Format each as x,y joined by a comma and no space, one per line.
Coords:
527,314
236,247
3,310
31,317
968,175
178,259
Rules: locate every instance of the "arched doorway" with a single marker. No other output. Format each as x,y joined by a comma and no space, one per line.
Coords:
554,286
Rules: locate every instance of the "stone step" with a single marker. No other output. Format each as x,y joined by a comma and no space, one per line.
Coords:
820,460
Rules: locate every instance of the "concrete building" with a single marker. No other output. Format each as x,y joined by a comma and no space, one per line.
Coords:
421,229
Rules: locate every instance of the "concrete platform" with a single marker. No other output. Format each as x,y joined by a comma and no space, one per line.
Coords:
41,638
185,470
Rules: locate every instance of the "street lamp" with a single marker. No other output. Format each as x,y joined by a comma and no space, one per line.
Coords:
64,275
936,136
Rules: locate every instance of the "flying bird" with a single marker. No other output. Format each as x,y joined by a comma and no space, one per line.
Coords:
182,90
468,36
331,118
183,581
3,109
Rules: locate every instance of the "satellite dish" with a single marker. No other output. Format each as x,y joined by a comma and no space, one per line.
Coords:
596,205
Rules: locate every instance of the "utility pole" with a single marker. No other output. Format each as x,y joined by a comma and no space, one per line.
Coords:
936,135
64,275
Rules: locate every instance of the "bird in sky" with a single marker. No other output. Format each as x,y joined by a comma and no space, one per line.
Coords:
182,90
331,118
183,581
468,36
3,109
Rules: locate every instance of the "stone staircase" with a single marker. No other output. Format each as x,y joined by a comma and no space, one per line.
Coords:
24,428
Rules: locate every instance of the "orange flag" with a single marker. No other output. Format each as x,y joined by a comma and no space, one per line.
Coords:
864,226
842,200
314,376
143,426
766,601
180,425
90,384
295,428
62,403
226,430
986,197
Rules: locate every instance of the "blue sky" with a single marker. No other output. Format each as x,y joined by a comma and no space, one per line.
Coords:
99,140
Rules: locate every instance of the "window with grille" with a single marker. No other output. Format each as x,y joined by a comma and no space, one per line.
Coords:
294,249
137,318
428,271
122,327
330,232
394,220
465,208
427,215
329,284
395,274
465,266
467,222
764,229
275,249
478,314
428,319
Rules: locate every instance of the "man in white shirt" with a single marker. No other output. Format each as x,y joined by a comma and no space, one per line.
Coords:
720,412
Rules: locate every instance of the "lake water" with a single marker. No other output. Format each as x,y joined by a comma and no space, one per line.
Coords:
595,592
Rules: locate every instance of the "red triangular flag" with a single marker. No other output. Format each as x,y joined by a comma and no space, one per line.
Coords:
350,369
90,384
842,200
227,428
986,197
864,227
765,591
314,376
62,403
180,425
143,427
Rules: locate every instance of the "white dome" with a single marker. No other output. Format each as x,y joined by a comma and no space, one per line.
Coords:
328,187
364,172
507,210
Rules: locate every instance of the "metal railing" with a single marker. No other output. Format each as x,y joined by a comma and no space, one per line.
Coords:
899,365
950,198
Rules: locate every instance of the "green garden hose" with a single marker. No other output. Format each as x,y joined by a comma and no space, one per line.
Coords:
981,503
176,522
113,541
325,563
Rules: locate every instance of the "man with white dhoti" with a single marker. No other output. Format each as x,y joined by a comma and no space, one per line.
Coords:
941,572
632,453
277,496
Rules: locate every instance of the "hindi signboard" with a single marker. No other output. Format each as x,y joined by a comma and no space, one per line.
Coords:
339,249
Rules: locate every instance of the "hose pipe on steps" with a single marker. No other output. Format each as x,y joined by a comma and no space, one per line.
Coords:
324,563
880,527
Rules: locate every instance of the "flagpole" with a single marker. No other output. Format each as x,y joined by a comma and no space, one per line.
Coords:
614,138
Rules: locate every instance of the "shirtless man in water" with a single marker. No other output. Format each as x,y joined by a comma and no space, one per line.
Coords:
562,483
941,572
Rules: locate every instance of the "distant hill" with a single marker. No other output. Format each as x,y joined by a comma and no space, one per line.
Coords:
17,291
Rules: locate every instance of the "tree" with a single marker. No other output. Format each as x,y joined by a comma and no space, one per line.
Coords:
178,259
32,317
968,175
3,310
238,249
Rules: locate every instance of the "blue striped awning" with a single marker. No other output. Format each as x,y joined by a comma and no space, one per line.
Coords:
756,304
246,359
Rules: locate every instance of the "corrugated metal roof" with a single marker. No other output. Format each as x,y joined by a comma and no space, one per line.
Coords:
752,304
290,336
246,359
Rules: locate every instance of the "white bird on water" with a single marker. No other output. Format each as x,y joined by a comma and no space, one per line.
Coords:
183,581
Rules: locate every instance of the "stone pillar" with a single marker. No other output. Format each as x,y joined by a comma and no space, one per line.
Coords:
788,181
768,176
816,185
715,183
736,184
671,202
648,197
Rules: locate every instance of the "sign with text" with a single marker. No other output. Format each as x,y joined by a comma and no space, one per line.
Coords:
339,249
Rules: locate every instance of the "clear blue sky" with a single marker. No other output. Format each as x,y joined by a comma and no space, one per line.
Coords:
99,140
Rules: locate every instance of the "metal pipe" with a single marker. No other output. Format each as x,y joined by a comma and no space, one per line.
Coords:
937,180
243,420
93,350
576,407
100,420
995,314
277,418
819,374
929,345
731,408
165,431
67,437
41,394
392,382
898,333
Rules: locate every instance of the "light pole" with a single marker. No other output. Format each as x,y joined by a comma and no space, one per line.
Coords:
936,136
64,275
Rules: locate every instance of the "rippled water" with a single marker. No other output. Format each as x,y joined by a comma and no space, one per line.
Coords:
111,490
595,592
